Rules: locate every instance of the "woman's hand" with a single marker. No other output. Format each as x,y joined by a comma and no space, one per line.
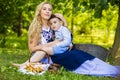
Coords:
50,44
62,18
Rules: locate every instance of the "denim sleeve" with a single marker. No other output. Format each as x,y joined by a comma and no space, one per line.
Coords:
59,50
66,38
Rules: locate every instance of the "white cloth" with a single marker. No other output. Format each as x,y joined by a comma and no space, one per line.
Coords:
65,35
24,71
43,41
97,67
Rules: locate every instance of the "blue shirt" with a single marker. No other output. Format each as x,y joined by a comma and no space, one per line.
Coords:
65,35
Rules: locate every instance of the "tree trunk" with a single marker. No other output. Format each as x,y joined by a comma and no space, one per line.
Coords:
19,24
3,40
116,44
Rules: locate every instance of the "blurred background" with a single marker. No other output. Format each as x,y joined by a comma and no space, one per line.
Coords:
90,21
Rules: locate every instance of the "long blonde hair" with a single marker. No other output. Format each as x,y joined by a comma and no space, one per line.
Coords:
35,27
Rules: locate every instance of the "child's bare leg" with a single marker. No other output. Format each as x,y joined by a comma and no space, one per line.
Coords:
48,50
35,58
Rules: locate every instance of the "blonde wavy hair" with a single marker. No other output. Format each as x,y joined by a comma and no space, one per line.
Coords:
35,28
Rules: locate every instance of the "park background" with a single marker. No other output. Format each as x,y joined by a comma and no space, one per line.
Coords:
90,21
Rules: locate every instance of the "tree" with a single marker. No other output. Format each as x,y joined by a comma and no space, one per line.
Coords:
116,45
101,5
14,16
98,6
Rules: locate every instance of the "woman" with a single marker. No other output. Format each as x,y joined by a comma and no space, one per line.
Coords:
39,33
39,25
80,62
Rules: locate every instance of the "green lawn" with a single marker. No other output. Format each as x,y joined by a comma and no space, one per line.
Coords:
8,72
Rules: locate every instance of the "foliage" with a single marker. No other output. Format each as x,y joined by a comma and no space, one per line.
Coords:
116,45
85,18
17,42
79,15
15,16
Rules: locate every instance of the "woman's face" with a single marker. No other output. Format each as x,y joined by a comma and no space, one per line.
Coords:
46,11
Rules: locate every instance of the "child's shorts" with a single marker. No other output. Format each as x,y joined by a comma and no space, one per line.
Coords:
59,49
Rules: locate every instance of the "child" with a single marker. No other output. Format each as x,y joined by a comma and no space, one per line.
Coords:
62,35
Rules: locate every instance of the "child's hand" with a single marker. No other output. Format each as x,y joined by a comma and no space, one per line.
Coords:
70,47
62,18
59,16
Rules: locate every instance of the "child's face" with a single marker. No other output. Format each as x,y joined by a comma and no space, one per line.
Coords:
55,24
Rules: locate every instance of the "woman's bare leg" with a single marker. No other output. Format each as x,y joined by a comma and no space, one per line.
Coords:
39,55
48,50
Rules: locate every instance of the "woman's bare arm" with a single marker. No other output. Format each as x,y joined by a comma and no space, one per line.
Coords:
53,43
35,47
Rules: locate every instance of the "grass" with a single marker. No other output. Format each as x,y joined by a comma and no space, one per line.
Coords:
8,72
